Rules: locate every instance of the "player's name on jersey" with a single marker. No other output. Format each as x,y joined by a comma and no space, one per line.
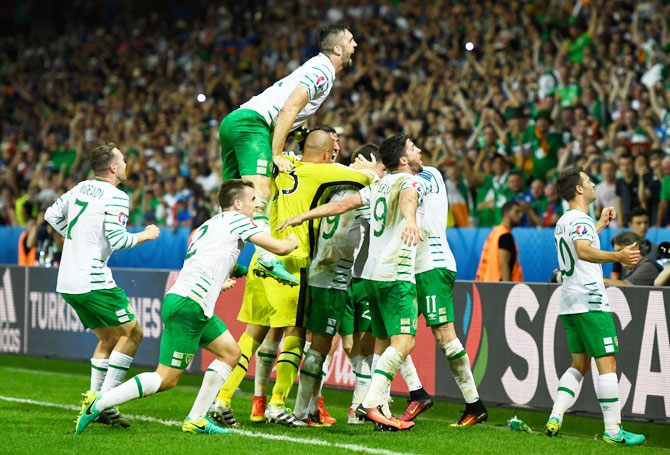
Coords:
561,228
88,189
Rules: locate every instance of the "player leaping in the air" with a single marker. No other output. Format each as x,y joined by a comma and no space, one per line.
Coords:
188,311
253,136
585,310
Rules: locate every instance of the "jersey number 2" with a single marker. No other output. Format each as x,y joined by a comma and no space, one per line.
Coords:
191,251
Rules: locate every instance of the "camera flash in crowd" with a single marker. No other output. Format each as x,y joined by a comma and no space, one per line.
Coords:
201,98
469,46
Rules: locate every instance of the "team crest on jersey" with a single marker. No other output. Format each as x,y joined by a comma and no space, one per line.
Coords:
581,230
123,218
321,81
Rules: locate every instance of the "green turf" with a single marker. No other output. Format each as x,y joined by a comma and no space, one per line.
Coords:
30,428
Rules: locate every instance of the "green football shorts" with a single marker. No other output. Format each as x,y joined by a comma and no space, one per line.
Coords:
102,307
393,307
434,295
356,315
592,332
246,147
325,313
186,328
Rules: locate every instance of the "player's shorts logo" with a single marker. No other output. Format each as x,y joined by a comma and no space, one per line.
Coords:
188,359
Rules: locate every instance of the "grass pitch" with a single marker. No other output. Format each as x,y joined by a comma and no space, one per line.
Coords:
39,401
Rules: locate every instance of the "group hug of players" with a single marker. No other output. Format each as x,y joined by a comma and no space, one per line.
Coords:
358,250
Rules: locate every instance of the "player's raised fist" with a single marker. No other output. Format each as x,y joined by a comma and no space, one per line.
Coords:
152,232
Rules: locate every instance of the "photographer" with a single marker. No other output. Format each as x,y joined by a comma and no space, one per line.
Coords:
644,272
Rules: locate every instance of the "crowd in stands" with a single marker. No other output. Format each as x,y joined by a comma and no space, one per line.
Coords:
501,96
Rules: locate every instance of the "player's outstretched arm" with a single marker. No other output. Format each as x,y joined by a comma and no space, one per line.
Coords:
332,208
629,255
282,247
287,116
409,201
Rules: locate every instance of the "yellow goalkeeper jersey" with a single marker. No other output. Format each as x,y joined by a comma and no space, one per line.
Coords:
305,187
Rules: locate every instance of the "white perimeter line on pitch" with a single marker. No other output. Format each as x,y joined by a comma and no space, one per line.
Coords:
251,434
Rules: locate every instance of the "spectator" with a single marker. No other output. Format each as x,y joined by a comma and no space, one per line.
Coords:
538,202
460,197
597,84
606,190
489,192
544,146
644,272
627,189
649,187
663,218
639,224
500,258
554,207
27,241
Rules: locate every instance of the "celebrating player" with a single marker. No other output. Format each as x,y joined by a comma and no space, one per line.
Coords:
435,277
188,311
92,218
253,136
329,276
585,310
389,269
269,304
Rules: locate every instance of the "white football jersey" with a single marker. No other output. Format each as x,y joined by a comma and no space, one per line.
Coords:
583,287
389,259
211,257
434,252
339,238
92,218
317,74
361,253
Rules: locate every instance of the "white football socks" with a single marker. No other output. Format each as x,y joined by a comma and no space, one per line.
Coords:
460,367
265,360
567,391
216,374
608,398
363,377
324,372
262,220
142,385
116,370
98,373
387,367
310,382
409,374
